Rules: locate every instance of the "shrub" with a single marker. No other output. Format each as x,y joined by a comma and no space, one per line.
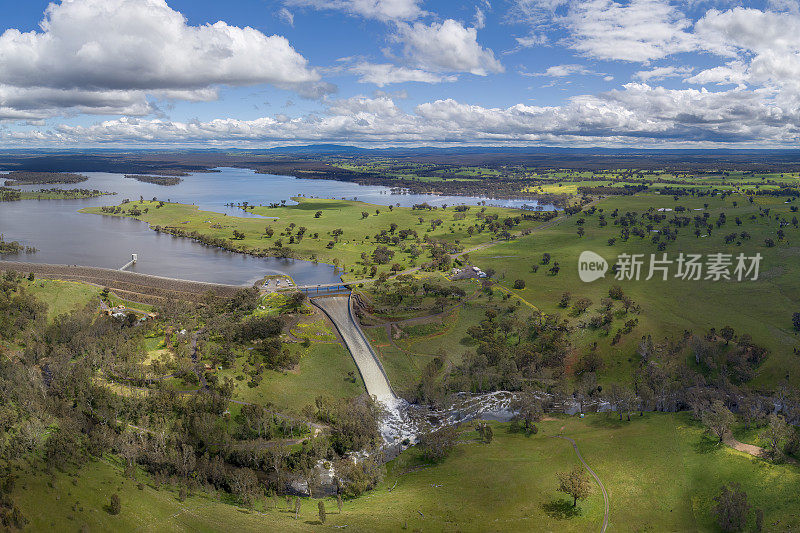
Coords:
116,505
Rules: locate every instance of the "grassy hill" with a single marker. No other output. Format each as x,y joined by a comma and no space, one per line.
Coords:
762,308
661,473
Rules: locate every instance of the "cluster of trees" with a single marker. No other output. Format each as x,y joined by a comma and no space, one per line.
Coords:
661,229
605,315
733,510
10,195
15,195
407,293
14,247
509,353
19,309
55,408
44,178
436,445
528,356
156,180
602,190
11,517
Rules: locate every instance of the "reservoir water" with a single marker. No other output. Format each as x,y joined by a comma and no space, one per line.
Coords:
64,236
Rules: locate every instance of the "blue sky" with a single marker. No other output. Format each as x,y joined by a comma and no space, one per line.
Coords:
259,73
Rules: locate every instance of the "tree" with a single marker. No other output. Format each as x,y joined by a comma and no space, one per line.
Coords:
750,410
321,507
243,482
488,434
295,301
796,321
622,399
575,483
296,507
581,305
528,411
116,505
382,255
718,419
731,508
727,333
485,432
519,284
436,445
775,433
564,302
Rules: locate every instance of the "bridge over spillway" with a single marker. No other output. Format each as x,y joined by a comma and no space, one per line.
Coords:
324,287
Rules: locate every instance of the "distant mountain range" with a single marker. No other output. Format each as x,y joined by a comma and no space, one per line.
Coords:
426,150
336,149
291,160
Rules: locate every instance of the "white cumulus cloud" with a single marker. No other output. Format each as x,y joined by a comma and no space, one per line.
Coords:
446,46
635,114
636,31
109,53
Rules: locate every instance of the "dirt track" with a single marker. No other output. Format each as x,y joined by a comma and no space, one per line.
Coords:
594,475
128,285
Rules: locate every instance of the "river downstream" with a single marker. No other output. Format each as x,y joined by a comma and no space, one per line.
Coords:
64,236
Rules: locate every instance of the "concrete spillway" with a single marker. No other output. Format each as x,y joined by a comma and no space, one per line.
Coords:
338,309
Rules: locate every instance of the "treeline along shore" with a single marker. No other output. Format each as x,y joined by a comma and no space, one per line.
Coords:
42,178
155,180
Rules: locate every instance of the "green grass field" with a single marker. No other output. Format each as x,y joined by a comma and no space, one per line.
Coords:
405,358
357,237
323,370
63,296
661,473
760,308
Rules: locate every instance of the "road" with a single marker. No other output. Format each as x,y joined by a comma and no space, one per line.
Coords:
596,478
338,310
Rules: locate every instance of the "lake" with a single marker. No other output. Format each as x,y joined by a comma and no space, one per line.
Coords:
64,236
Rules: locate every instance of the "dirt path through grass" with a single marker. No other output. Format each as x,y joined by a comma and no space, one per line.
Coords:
751,449
596,478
